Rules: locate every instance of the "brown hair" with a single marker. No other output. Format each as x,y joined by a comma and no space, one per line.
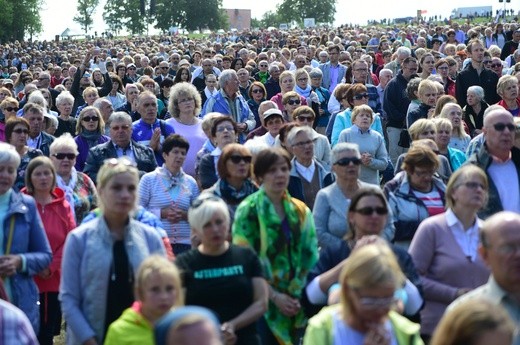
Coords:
228,151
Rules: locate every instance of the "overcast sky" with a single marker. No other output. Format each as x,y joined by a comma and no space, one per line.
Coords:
57,14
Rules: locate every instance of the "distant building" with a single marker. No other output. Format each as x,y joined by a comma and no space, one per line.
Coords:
238,18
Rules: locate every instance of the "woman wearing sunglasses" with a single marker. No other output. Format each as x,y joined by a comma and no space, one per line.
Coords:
257,94
233,274
368,280
234,169
287,83
79,189
89,129
16,134
58,220
367,215
447,244
8,108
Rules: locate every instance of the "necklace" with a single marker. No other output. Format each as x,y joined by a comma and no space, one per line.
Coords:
187,123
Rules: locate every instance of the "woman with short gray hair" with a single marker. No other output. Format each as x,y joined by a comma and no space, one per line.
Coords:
474,110
66,123
323,116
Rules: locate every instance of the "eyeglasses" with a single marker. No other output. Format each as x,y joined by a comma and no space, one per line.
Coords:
20,131
361,96
117,128
375,302
62,156
131,69
185,100
502,126
347,160
257,91
202,199
473,185
236,159
227,128
368,211
90,118
305,118
165,67
303,143
9,109
293,101
486,62
496,65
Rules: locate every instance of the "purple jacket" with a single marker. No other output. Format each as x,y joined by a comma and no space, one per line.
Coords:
83,149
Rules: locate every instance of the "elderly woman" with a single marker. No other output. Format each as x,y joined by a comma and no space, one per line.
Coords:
256,94
332,202
234,168
58,220
184,106
25,251
304,89
90,95
66,123
287,84
101,256
415,194
168,191
305,116
16,134
474,110
240,299
368,280
281,231
442,67
374,156
79,189
356,95
443,136
427,93
90,129
507,89
316,76
447,244
8,108
459,139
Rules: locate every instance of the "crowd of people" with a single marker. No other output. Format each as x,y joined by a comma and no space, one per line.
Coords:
359,185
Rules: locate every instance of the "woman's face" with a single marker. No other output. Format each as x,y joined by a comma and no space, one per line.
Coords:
276,179
215,232
64,159
258,93
68,84
115,86
7,176
443,70
65,107
369,216
510,91
238,65
90,121
287,84
119,194
91,98
302,81
185,76
97,76
421,179
442,137
472,99
158,294
363,120
470,193
292,104
428,97
455,116
238,166
186,105
347,166
9,111
42,179
428,64
225,134
19,135
370,306
175,159
360,99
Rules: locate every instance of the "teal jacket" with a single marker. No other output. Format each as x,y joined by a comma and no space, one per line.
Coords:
456,157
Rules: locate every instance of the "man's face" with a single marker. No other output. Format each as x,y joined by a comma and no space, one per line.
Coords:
131,92
299,61
106,110
44,81
334,56
121,133
231,86
147,107
477,53
207,66
499,138
360,72
516,36
164,67
243,75
35,119
384,78
57,72
175,58
226,64
409,69
211,82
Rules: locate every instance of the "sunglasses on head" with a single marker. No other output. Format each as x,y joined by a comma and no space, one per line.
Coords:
200,200
361,96
502,126
368,211
236,159
91,118
20,131
9,109
347,160
293,101
61,156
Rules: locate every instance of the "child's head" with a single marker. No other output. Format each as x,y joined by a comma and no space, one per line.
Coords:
158,286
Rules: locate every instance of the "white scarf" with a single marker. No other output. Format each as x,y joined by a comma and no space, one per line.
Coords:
210,94
69,188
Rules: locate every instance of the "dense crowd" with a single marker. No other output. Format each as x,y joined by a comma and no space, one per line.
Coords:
356,185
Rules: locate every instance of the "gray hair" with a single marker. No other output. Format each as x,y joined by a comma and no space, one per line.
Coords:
340,148
64,96
386,71
272,67
64,141
291,136
316,73
200,216
37,97
120,116
402,50
226,76
477,90
98,103
8,155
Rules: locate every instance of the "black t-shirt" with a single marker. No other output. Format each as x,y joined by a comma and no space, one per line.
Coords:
222,283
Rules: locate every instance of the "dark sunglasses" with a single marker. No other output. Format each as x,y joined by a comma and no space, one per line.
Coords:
20,131
165,67
237,159
361,96
487,62
257,91
131,69
347,160
61,156
200,200
368,211
90,119
11,109
496,65
501,126
293,101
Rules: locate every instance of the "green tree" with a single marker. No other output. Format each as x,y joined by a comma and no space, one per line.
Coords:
271,18
84,16
167,15
322,11
20,18
191,15
112,17
125,14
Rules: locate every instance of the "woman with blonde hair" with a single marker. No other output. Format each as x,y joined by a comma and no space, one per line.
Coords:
369,279
287,84
444,129
459,138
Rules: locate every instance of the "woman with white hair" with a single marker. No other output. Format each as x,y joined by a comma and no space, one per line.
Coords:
507,89
474,110
323,115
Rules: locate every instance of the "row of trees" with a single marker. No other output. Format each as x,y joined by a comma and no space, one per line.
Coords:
20,19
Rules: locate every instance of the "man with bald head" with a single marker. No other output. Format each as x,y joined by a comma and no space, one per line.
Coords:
500,250
501,161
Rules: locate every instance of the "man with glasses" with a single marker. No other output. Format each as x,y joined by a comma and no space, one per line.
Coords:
333,71
501,161
121,144
198,78
164,72
44,82
500,249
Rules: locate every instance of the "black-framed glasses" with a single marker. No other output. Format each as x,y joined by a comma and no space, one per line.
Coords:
90,118
360,96
202,199
496,65
62,156
487,62
368,211
236,159
347,160
293,101
165,67
502,126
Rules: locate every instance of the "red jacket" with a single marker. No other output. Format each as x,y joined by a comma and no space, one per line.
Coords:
58,221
